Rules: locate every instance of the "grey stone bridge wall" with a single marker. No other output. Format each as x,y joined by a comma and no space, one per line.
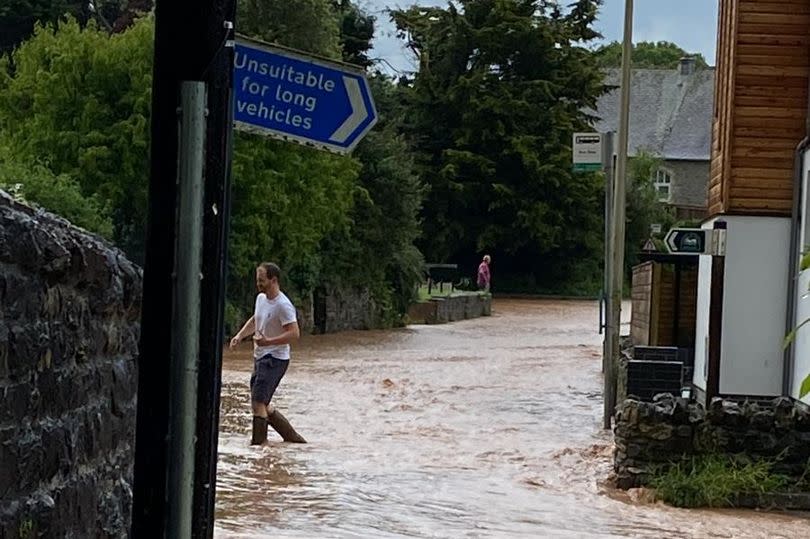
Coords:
451,309
69,326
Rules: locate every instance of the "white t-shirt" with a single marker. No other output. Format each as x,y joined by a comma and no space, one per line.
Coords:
270,315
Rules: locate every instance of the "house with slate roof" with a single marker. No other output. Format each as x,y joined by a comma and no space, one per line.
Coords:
670,117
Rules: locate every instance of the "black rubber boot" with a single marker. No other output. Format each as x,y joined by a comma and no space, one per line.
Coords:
259,430
283,427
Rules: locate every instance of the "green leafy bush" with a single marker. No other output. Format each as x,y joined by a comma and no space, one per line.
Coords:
62,195
78,103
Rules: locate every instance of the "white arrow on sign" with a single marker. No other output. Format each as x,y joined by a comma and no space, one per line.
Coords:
670,240
359,112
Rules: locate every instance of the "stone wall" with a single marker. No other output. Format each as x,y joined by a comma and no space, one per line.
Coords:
343,309
69,326
451,309
305,311
650,434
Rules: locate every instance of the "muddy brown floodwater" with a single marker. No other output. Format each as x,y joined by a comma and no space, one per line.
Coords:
484,428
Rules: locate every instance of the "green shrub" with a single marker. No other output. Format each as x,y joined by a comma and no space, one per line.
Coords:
60,194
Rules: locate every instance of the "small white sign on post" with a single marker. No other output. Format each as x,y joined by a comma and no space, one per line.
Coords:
655,228
587,151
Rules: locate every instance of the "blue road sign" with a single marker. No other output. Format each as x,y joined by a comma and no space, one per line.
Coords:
290,95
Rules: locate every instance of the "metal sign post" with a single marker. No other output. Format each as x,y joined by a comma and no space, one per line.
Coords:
592,152
608,165
186,311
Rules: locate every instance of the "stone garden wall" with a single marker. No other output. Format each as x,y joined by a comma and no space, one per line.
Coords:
69,328
342,309
648,434
451,309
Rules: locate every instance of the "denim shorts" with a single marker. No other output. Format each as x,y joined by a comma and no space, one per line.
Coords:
267,373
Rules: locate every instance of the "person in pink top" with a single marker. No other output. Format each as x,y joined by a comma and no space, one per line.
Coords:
483,274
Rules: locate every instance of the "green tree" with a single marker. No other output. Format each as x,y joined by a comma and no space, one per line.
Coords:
643,207
356,33
500,90
38,186
19,17
377,251
78,103
285,200
124,13
648,54
307,25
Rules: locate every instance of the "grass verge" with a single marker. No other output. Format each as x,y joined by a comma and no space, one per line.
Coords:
717,480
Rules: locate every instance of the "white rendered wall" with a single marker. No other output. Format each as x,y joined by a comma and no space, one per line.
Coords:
754,303
704,287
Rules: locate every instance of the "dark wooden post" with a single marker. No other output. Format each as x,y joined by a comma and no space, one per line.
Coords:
676,315
716,318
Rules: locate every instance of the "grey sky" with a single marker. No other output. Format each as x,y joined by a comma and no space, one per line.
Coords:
692,24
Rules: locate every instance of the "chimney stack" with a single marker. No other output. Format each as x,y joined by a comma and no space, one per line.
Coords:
687,65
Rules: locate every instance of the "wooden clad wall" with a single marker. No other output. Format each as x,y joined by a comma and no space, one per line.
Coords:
687,308
642,292
723,97
654,301
763,61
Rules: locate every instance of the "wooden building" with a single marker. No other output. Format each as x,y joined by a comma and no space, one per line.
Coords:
745,303
664,297
761,93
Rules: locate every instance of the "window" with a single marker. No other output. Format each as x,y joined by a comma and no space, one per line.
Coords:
662,183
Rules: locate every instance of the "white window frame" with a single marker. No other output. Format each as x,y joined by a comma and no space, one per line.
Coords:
662,177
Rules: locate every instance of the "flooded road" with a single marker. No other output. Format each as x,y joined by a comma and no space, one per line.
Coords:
484,428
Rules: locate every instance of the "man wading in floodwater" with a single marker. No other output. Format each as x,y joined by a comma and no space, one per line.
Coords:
274,326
